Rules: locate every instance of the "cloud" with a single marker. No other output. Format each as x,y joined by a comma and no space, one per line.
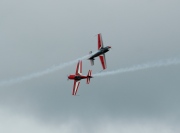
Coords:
36,34
18,123
135,126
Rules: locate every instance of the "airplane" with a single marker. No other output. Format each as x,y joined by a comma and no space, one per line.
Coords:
78,76
101,52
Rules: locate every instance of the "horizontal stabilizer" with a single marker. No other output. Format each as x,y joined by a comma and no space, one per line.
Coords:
89,76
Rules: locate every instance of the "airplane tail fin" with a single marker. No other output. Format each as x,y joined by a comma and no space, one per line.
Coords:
89,76
91,60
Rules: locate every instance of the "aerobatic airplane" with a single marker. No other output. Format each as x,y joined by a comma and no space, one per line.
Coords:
101,52
78,76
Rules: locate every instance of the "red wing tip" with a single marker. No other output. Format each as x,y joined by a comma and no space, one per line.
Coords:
104,68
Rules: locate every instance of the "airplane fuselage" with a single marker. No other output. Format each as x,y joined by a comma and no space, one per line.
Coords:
100,52
78,77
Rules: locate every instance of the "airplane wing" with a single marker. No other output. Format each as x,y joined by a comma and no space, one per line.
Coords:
100,41
79,68
103,61
75,87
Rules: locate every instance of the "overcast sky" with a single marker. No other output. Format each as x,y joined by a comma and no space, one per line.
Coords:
37,34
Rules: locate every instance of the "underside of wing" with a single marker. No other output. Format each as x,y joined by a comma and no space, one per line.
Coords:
100,41
79,68
103,61
75,87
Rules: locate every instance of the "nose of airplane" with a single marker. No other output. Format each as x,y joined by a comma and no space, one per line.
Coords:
71,77
109,46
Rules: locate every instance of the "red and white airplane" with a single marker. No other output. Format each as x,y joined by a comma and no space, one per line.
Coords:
101,52
78,76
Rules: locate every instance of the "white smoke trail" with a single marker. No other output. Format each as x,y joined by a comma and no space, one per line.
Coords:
41,73
141,67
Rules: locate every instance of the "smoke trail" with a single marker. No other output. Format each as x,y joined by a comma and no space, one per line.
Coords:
141,67
41,73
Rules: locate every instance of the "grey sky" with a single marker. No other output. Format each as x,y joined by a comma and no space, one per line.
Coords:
37,34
